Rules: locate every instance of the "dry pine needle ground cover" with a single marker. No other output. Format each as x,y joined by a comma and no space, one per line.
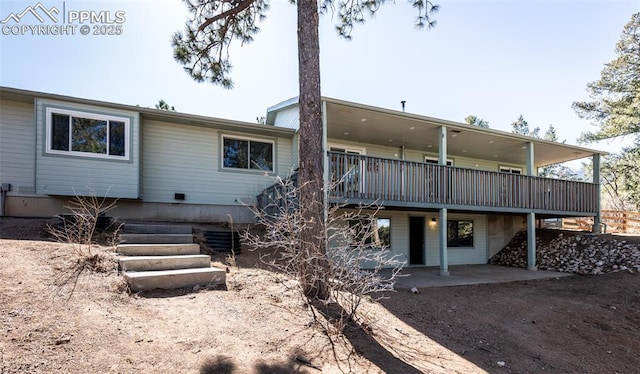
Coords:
259,325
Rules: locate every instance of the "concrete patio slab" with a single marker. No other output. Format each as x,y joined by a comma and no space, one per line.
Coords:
461,275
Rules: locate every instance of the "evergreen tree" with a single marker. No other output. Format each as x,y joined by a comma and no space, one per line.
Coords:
164,106
615,107
476,121
521,127
203,49
559,171
615,110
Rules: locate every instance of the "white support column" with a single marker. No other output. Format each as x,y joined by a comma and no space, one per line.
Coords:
325,169
531,217
325,148
596,181
442,152
442,233
530,160
531,241
442,227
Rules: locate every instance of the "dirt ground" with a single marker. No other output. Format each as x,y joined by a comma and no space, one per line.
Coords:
587,324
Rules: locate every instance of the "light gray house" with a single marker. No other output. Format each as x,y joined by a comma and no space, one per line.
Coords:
164,165
452,193
161,165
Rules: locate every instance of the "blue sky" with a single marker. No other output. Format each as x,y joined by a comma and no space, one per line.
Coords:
495,59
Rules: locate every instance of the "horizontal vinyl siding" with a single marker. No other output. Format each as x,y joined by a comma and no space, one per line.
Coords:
75,175
399,236
289,118
477,254
431,242
17,147
455,255
295,151
186,159
375,150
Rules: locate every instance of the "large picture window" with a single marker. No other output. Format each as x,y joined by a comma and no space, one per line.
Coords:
87,134
239,153
460,233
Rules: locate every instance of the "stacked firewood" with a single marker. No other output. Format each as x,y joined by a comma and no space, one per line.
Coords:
581,254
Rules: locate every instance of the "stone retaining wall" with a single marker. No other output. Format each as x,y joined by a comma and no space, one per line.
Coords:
579,253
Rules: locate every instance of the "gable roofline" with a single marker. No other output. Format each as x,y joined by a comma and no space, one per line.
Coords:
16,94
272,110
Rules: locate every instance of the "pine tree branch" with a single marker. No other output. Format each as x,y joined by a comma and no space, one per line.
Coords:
240,6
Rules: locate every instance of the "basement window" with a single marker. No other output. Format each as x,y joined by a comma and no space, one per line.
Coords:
250,154
87,134
371,232
460,233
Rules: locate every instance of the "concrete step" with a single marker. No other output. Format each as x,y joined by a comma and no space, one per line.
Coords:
147,263
158,249
156,238
136,228
171,279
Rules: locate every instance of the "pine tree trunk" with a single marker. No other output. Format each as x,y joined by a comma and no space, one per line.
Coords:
311,195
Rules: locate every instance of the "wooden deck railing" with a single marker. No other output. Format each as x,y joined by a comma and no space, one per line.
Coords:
616,221
389,180
359,178
273,199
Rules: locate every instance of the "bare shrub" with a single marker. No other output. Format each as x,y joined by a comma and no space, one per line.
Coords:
351,239
231,257
79,230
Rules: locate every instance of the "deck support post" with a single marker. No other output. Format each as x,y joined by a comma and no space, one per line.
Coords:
325,171
531,160
442,233
531,241
442,149
531,217
596,180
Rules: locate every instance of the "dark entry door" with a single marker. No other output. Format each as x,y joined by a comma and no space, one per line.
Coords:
416,240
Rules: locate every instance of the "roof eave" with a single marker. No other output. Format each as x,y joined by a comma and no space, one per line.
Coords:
16,94
460,126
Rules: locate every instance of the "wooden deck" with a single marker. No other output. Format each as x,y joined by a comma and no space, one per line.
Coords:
406,184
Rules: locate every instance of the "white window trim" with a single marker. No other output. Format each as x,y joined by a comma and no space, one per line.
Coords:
249,170
473,232
437,160
390,233
509,169
100,117
348,148
388,248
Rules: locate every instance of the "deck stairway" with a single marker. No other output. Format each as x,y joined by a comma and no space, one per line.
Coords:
164,257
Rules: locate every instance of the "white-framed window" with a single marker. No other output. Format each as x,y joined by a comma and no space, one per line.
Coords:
509,169
460,233
436,160
351,170
70,132
371,232
247,153
351,150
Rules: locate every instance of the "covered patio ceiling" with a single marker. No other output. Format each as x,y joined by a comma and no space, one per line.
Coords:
367,124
